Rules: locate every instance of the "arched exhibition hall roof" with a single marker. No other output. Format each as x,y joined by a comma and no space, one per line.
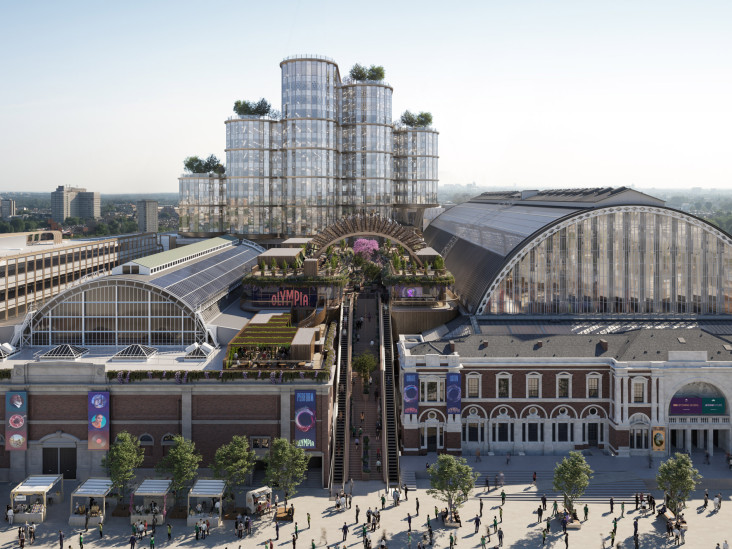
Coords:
583,251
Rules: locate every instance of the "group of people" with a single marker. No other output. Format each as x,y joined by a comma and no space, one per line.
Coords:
201,528
242,526
26,532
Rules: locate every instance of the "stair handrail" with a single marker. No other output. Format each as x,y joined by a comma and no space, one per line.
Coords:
336,382
347,411
382,381
394,400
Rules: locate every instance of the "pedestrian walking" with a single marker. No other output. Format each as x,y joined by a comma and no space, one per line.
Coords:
345,531
500,513
706,500
566,540
297,531
133,540
477,523
152,541
294,541
481,507
101,532
539,513
587,511
622,508
500,538
170,531
409,522
534,480
543,502
277,530
416,500
357,511
615,525
637,501
406,493
612,505
482,541
81,540
452,541
308,515
495,523
555,508
543,537
503,497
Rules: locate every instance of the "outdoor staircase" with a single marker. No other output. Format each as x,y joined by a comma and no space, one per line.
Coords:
340,443
409,479
390,427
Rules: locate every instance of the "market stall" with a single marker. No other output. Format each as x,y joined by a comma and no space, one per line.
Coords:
152,501
259,501
30,498
85,502
212,511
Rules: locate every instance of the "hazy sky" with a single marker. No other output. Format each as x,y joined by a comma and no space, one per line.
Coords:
114,95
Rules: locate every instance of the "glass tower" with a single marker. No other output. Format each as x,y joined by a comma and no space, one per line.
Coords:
331,152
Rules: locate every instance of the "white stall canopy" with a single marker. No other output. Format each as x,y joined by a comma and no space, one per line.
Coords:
207,489
153,487
91,488
39,485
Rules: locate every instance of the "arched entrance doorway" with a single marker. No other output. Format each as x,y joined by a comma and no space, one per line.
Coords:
59,454
698,418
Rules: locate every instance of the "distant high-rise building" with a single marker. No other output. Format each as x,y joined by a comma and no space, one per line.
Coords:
334,151
75,202
7,208
147,216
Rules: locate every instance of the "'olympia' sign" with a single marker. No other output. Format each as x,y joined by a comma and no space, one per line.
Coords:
296,298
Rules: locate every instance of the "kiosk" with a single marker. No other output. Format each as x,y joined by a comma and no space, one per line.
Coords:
25,506
88,493
154,494
261,498
206,489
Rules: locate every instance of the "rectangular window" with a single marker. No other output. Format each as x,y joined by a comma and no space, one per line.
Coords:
503,432
593,387
260,443
533,387
432,391
473,387
638,390
562,432
503,388
563,388
533,432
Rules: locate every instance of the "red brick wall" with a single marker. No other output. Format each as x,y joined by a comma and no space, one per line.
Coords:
144,407
51,406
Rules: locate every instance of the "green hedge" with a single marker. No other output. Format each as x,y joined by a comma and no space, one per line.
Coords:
192,376
299,281
422,280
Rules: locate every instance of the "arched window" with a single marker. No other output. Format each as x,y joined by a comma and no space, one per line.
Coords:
146,440
168,439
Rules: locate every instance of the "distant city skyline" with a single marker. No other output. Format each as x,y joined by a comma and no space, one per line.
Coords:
113,97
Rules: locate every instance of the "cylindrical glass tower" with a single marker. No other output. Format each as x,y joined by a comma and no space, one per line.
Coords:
415,173
254,173
366,148
309,117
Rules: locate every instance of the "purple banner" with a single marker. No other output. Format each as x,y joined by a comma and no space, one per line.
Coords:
98,412
681,406
454,394
411,393
16,420
305,419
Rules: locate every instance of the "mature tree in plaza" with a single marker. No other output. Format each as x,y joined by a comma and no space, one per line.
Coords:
124,456
234,461
571,478
677,477
451,480
363,365
181,463
286,465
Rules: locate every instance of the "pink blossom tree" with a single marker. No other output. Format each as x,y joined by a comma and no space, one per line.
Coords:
365,247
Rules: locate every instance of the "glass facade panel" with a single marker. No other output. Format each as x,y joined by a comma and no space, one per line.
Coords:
621,262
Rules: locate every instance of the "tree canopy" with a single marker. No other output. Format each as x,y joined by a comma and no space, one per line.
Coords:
181,463
572,477
124,456
677,477
421,120
363,365
194,164
251,108
359,73
451,480
234,461
286,465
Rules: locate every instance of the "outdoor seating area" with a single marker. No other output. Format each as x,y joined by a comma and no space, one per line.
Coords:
30,499
89,502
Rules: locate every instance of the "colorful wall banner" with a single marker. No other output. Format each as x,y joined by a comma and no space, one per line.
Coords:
411,393
453,395
16,420
658,436
713,406
98,412
305,419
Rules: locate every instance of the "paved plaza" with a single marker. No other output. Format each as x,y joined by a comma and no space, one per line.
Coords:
519,525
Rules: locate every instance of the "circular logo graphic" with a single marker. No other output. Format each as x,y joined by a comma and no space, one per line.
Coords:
410,393
16,421
98,421
17,401
99,401
305,419
17,440
453,392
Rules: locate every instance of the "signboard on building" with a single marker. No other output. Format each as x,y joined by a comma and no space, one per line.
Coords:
284,297
658,439
453,393
684,406
411,393
16,420
305,419
98,413
713,406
